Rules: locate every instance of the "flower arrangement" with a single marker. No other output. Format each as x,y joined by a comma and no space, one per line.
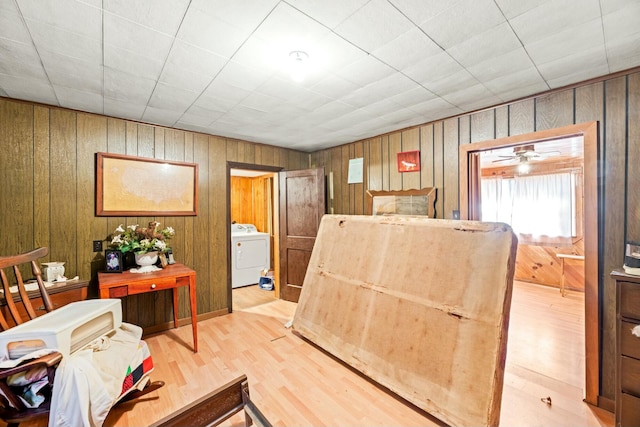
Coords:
134,238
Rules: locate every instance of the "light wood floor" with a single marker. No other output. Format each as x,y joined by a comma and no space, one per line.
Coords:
296,384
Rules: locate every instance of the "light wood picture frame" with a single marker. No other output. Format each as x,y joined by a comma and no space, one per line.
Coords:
140,186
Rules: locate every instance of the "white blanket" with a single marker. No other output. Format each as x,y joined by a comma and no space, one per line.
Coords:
89,382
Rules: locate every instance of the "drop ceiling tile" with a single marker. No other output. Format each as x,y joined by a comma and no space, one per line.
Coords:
513,8
580,62
12,27
622,23
197,60
170,98
559,45
124,34
286,25
123,109
222,91
433,68
407,49
434,107
211,101
462,21
72,73
517,84
79,100
164,16
68,15
20,59
421,11
411,97
471,98
373,25
554,17
196,120
240,76
595,70
205,113
56,39
453,83
183,78
211,33
506,63
485,46
128,88
160,116
246,14
330,12
615,5
333,87
623,55
36,90
132,63
365,70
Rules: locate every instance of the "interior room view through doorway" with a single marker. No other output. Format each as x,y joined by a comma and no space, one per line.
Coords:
253,235
563,146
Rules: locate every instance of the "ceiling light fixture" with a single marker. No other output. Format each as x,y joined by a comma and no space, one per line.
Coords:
297,67
524,167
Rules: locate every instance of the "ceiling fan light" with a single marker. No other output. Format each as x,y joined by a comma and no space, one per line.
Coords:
524,168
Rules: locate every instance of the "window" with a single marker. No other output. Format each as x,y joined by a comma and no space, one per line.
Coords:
539,205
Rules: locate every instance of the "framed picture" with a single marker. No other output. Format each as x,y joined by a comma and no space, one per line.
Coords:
138,186
114,262
409,161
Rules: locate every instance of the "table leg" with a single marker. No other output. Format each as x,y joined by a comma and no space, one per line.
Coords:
194,312
175,307
562,291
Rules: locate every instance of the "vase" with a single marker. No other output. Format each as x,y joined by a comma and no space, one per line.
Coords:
146,261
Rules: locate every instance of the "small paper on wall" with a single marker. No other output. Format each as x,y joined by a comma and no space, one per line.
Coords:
355,171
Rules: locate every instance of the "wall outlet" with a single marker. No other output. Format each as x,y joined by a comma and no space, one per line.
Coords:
456,214
97,246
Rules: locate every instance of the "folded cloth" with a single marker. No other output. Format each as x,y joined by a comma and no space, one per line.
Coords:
89,382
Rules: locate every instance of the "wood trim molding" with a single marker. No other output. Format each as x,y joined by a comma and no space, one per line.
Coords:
589,132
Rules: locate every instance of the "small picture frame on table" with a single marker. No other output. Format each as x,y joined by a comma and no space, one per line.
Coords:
113,261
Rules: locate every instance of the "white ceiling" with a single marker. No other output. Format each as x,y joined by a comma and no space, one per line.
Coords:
219,66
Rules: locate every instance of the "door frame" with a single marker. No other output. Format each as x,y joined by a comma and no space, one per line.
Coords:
590,134
253,167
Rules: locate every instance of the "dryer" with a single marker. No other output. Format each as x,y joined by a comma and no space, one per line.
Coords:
250,254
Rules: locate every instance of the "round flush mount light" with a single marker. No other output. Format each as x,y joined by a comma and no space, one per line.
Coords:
298,62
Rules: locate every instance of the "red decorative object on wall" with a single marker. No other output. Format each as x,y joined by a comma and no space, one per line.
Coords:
409,161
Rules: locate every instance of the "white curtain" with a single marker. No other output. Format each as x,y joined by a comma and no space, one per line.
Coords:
540,205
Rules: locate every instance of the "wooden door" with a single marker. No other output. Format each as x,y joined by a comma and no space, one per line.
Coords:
302,204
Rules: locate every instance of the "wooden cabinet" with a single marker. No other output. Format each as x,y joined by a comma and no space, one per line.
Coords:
61,293
627,349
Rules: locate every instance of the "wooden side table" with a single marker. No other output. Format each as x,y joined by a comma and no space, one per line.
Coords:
562,258
116,285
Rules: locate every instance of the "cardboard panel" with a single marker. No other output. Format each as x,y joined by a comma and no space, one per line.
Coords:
419,305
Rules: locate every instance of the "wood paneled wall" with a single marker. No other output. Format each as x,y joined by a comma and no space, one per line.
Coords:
47,196
613,101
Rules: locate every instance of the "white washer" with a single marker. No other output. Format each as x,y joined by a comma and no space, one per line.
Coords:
250,254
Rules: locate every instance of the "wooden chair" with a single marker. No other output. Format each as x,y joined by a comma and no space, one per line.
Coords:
12,409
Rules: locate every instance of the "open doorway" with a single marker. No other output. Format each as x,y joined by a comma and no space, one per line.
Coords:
253,235
470,208
538,190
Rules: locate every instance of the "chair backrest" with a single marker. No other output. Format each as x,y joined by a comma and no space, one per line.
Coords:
14,288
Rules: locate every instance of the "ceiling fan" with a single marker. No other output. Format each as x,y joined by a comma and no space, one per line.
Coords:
525,153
